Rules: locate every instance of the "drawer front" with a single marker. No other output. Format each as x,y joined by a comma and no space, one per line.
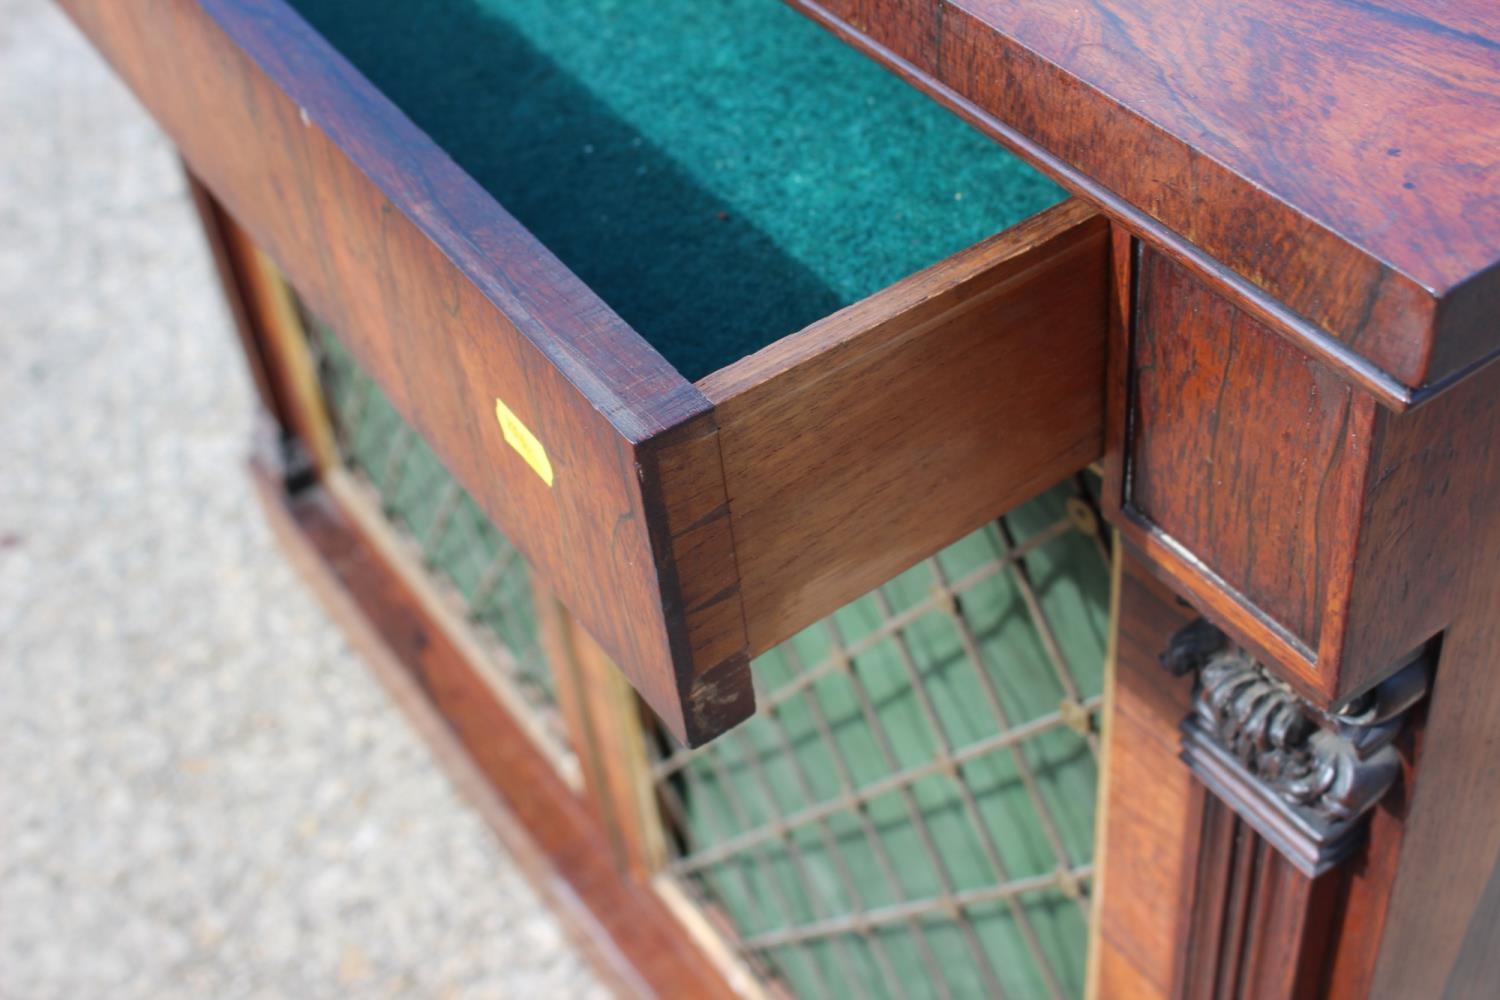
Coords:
844,452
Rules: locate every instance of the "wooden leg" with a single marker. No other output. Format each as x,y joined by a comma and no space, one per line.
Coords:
1337,541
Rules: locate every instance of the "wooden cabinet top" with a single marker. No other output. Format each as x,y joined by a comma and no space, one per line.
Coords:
1341,156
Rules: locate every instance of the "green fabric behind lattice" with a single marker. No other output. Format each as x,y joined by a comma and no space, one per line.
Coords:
721,172
762,889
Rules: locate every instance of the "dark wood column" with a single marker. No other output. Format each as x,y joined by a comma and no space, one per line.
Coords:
1218,879
1285,796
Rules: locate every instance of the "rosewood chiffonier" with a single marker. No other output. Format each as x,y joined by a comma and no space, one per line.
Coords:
899,497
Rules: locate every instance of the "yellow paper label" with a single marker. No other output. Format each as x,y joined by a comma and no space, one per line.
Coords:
519,437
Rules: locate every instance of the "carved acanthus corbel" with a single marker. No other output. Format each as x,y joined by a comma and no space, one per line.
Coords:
1302,777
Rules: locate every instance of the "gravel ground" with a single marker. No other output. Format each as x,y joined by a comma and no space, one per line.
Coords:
201,791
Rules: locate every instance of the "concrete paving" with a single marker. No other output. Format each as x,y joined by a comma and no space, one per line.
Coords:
202,793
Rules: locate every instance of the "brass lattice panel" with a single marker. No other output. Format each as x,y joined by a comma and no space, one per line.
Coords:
911,811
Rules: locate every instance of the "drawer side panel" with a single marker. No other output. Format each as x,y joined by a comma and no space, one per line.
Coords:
443,298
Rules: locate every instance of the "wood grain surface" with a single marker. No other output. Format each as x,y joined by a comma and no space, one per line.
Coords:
1440,935
870,440
1287,503
1148,824
1247,458
1257,928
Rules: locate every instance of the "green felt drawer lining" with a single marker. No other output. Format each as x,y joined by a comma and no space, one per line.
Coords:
720,172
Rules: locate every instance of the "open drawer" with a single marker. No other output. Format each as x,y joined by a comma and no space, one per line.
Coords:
799,406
